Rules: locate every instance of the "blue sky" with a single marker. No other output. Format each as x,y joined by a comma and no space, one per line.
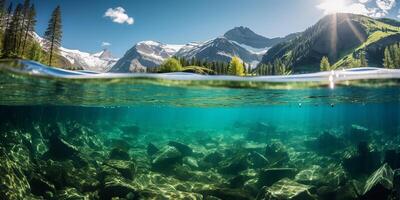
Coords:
86,26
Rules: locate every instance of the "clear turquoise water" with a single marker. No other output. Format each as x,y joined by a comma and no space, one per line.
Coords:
190,108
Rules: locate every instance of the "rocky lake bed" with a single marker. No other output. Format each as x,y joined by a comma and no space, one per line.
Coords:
76,160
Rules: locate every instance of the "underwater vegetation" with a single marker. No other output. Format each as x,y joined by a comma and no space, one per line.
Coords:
82,153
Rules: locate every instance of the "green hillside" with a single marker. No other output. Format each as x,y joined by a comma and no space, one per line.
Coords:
340,37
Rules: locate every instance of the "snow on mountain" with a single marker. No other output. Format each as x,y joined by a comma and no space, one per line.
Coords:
240,41
145,54
100,62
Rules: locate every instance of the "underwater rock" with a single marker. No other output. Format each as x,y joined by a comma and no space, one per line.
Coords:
119,154
235,165
117,187
258,160
13,182
40,186
214,157
166,157
379,184
364,162
286,189
357,134
183,148
60,149
190,161
351,190
396,182
311,176
71,194
392,158
268,177
326,143
276,155
127,169
151,149
226,193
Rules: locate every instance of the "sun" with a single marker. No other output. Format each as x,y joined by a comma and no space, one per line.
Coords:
333,6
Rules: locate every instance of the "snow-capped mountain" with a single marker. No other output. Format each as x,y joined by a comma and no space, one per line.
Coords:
240,41
219,49
100,62
143,55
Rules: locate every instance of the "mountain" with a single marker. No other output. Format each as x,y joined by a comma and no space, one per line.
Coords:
239,41
221,49
143,55
342,37
100,62
244,35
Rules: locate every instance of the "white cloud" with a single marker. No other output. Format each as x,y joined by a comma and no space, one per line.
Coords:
385,5
362,7
105,44
118,15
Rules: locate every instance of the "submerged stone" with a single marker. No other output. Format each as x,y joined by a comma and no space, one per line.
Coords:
71,194
40,186
152,149
183,148
117,187
119,154
286,189
227,193
276,155
127,169
60,149
190,161
379,184
258,160
166,157
268,177
364,162
311,176
326,143
234,165
392,158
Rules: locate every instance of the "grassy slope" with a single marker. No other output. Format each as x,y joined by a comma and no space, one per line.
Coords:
374,29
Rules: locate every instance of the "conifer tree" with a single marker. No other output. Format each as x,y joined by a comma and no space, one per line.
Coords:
363,60
387,60
11,34
325,65
3,14
30,26
23,23
35,52
53,35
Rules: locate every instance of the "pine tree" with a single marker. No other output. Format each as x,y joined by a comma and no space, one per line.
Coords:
3,14
30,26
325,65
23,23
387,60
53,35
11,34
35,52
363,60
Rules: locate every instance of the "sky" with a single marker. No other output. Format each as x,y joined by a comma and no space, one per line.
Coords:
91,25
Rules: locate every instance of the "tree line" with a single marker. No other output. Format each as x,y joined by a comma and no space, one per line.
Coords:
278,67
391,59
17,30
